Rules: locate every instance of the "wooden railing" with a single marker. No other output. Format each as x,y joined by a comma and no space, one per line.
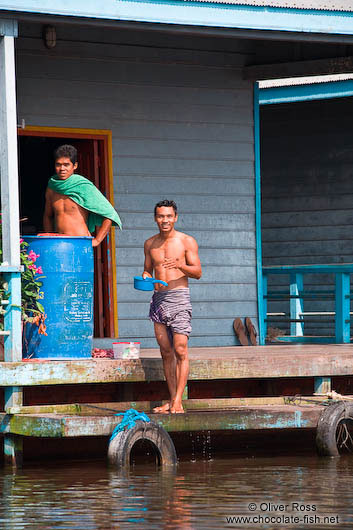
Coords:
296,295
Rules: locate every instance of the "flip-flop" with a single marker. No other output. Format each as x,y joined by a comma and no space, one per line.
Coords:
240,332
251,331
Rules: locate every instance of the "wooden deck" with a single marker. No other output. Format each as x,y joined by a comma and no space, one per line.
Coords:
202,414
272,361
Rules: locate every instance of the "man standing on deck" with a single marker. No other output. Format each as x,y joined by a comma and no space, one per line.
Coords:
173,256
73,204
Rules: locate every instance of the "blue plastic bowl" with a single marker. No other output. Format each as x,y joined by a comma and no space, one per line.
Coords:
146,284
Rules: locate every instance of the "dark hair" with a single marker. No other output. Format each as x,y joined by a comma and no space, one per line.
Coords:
67,151
168,204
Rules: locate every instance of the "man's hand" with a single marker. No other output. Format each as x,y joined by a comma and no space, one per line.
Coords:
101,232
146,274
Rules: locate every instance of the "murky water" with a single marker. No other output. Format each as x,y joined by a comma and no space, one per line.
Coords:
282,492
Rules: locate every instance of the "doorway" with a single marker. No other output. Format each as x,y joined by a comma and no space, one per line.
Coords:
36,165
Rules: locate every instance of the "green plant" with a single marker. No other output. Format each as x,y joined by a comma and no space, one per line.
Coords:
31,308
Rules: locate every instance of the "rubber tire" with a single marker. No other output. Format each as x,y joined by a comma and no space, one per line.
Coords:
120,447
327,427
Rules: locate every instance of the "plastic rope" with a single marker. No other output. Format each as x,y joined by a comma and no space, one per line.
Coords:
128,421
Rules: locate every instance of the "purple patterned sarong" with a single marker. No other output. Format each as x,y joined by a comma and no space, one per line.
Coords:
173,309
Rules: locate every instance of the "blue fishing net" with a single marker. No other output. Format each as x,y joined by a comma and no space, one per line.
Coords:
129,420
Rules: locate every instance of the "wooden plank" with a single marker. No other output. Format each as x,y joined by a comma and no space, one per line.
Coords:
44,67
9,194
205,364
128,53
255,418
104,409
335,65
170,186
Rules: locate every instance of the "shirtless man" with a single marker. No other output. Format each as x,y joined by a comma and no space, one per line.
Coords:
62,214
173,256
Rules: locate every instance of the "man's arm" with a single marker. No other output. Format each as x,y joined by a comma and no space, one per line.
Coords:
192,266
148,265
102,232
48,224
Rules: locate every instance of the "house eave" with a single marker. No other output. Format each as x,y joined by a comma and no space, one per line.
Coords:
194,13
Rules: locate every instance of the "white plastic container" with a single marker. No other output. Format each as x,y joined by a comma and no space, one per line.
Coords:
126,350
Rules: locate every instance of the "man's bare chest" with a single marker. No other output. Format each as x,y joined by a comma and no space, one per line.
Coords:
64,205
174,249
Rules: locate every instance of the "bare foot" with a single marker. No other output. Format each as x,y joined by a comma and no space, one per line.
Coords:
177,408
164,409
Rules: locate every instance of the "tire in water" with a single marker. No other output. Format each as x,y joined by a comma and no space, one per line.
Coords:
121,446
334,429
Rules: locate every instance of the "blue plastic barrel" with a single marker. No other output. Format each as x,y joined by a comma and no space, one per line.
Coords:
68,267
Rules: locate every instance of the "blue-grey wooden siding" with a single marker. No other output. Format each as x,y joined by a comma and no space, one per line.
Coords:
307,190
182,125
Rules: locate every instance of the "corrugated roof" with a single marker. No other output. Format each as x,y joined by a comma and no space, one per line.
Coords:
322,5
310,80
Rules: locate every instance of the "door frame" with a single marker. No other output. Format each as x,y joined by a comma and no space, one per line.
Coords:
291,93
105,136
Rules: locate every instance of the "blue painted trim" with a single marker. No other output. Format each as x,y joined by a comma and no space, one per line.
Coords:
317,268
306,340
8,27
322,385
260,298
342,306
12,318
291,94
194,13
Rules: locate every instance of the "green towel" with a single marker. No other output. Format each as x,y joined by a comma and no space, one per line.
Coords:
84,192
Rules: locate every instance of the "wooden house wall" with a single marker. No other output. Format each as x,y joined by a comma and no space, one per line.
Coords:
182,126
307,190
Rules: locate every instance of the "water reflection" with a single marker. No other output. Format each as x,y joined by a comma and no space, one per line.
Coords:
199,494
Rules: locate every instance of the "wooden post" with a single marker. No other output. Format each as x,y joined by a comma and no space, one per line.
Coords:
296,304
342,324
10,219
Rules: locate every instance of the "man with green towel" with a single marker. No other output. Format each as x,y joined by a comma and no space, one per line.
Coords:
73,204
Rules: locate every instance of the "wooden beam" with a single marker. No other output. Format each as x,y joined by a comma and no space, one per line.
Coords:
258,362
9,194
337,65
243,418
110,408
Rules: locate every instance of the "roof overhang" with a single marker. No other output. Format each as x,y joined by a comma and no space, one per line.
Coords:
193,13
294,90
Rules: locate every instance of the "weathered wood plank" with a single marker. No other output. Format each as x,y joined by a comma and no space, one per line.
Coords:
257,418
104,409
170,186
205,364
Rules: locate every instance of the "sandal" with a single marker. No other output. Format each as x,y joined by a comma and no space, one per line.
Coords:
240,332
251,331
